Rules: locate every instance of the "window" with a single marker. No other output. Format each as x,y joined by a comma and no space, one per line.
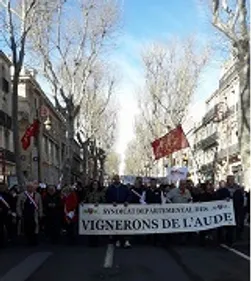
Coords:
1,137
5,86
7,139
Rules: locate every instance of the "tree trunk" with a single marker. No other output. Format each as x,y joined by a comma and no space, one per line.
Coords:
69,156
15,127
244,116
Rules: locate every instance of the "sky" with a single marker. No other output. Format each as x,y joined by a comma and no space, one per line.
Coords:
147,21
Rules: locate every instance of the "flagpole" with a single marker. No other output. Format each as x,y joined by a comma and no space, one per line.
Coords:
193,154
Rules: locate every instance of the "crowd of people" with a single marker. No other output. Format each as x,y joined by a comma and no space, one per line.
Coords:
53,213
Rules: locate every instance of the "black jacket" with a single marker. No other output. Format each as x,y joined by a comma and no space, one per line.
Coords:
53,206
206,197
135,198
4,210
153,196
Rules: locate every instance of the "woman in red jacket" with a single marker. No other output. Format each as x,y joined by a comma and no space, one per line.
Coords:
70,202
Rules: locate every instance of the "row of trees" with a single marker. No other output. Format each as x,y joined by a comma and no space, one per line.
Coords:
172,74
67,43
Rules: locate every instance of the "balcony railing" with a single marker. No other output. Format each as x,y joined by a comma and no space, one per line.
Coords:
231,151
208,142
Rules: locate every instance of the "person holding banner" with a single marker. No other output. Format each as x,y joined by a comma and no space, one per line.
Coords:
30,211
181,194
95,195
154,196
53,211
117,193
153,193
138,192
70,203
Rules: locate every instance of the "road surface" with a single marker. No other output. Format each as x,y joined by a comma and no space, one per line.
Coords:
142,262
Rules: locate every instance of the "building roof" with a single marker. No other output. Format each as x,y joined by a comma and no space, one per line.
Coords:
29,77
5,58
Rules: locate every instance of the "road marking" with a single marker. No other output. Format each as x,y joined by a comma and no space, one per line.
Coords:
26,268
236,252
108,262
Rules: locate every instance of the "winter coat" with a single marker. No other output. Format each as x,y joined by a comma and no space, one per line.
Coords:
95,196
118,194
153,196
38,212
206,197
177,196
134,197
70,203
223,194
53,206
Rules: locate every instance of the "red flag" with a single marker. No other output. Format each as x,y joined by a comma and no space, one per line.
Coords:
171,142
31,131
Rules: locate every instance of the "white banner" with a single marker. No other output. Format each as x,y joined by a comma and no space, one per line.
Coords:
176,174
145,219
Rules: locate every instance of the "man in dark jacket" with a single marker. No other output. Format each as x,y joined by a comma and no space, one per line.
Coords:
53,210
138,192
206,194
118,193
234,192
153,194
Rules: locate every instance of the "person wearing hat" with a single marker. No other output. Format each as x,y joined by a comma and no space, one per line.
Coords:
30,211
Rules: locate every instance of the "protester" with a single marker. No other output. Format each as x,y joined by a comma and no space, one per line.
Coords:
95,195
13,192
5,214
30,211
53,211
138,192
153,193
181,194
239,209
70,205
206,194
117,193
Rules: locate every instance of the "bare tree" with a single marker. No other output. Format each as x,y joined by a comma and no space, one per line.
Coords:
97,118
172,74
17,23
231,19
112,163
69,53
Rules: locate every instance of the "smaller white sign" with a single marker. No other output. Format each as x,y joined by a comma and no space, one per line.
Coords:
175,174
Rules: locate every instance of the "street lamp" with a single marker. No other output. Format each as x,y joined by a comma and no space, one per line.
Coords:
47,124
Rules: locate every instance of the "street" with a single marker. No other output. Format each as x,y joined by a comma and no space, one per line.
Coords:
142,262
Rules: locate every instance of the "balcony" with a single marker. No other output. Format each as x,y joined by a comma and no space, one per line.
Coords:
233,150
210,141
5,120
7,155
210,115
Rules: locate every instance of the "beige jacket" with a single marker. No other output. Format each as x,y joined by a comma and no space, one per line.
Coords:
38,213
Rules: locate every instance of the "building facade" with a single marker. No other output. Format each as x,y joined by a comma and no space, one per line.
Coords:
215,146
7,157
43,159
